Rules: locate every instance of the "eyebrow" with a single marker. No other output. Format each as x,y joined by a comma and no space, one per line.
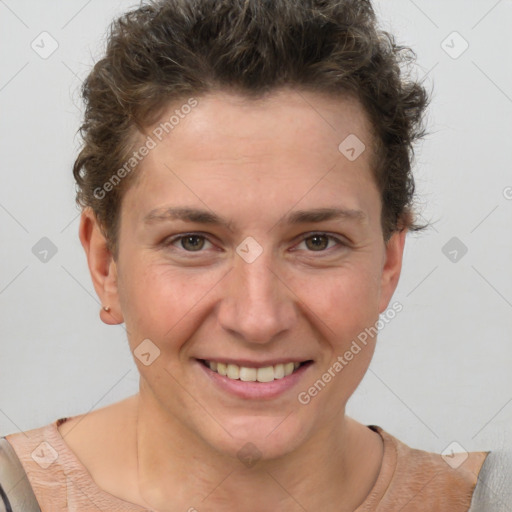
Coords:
200,216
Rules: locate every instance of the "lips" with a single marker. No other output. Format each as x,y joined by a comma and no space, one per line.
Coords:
247,379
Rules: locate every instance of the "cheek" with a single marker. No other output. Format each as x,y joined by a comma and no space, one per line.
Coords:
346,301
346,308
162,303
168,304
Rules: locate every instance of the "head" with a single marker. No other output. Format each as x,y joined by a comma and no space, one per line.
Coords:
291,125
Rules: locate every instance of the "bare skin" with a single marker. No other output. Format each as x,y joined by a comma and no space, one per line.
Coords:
176,444
104,441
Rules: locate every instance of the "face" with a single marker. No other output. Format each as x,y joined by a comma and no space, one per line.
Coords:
249,239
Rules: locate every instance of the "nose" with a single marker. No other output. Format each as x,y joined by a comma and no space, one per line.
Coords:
257,305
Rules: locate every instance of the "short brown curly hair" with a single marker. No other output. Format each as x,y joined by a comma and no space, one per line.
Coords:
168,50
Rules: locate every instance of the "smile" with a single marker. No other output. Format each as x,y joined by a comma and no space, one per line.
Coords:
263,380
253,374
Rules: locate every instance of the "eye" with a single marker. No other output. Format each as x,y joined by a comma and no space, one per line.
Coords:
195,242
190,242
319,242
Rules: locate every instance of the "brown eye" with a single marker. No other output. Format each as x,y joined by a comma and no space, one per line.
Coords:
322,243
185,243
192,242
317,242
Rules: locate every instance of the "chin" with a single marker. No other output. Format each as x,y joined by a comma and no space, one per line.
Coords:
258,437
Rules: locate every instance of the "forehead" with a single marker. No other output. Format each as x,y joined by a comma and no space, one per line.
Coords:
289,121
274,148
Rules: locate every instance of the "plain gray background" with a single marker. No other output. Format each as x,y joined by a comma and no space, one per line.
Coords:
441,371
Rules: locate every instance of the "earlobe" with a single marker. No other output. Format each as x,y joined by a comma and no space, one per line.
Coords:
392,267
102,267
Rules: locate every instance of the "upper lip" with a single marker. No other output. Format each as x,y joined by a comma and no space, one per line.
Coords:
255,364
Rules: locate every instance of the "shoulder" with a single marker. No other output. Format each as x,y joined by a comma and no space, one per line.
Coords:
493,492
61,459
31,457
15,490
422,479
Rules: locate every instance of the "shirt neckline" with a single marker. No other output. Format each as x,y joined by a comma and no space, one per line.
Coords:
386,472
96,493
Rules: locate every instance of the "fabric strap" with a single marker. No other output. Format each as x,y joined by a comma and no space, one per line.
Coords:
493,491
16,493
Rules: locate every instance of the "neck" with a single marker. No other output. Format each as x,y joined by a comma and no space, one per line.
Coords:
332,470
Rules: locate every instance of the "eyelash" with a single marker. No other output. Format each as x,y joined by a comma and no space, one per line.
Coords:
339,243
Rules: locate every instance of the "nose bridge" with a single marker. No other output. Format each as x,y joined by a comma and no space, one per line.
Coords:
257,305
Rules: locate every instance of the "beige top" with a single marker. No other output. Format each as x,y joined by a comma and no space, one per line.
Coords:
409,480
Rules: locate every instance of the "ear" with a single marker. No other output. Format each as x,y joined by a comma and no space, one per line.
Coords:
102,266
392,266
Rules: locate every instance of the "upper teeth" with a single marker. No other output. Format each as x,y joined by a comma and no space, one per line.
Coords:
265,374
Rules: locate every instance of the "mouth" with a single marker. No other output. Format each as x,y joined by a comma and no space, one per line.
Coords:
262,374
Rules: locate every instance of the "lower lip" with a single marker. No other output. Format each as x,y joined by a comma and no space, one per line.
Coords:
255,390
